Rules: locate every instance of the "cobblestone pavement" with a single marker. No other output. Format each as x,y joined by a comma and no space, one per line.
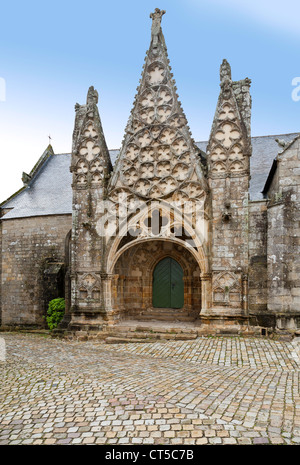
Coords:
217,390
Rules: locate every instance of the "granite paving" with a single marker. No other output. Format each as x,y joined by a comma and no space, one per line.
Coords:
206,391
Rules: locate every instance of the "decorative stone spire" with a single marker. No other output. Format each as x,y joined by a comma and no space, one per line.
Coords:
91,167
228,164
90,157
158,155
229,143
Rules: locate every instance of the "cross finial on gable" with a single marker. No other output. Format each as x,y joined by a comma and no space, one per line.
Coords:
156,21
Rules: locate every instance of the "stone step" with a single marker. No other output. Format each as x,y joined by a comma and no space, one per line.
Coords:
125,340
118,338
148,334
165,315
162,329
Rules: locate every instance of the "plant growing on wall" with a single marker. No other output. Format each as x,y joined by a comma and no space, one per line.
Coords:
55,313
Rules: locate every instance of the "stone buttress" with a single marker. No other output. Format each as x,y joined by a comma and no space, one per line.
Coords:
91,167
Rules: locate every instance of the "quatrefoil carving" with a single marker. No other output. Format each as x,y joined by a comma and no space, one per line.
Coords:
156,74
147,170
90,150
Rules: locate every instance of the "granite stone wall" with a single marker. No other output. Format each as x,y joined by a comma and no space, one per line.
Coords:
283,248
257,283
33,256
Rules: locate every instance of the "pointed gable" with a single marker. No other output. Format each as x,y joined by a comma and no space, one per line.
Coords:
229,144
91,162
158,155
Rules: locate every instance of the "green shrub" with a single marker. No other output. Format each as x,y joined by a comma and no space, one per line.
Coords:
55,313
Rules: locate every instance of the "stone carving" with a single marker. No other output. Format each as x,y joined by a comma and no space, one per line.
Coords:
156,26
158,154
228,146
90,161
92,96
145,255
282,144
227,289
156,21
89,286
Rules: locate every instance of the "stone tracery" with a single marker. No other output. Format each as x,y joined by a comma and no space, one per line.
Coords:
227,148
158,153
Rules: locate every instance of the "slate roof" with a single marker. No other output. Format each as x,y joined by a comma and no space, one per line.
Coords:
264,152
49,192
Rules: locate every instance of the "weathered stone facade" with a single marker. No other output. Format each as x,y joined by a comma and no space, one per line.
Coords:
33,267
168,231
283,237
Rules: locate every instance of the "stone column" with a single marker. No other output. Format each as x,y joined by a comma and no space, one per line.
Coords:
206,297
114,291
107,280
188,292
245,293
121,293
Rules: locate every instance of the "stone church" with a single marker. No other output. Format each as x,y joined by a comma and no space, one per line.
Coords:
164,229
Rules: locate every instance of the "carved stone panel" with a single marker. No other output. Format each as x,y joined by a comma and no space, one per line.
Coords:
227,289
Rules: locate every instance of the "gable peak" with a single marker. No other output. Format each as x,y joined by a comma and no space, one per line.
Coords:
225,71
158,154
92,96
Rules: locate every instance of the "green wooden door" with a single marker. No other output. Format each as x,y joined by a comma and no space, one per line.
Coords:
168,289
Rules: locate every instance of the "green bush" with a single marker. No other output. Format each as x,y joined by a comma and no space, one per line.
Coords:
55,313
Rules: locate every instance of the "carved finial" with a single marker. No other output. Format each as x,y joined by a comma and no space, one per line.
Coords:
92,96
225,71
25,178
281,142
156,21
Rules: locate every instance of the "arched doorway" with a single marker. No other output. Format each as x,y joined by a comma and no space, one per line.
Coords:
168,287
132,281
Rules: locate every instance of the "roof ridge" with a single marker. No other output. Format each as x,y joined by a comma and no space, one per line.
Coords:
203,141
276,135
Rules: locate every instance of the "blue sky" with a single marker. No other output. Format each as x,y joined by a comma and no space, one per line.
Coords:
51,52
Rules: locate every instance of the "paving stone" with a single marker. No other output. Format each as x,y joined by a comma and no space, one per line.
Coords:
201,391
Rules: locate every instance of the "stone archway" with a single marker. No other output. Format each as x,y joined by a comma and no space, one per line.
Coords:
132,285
